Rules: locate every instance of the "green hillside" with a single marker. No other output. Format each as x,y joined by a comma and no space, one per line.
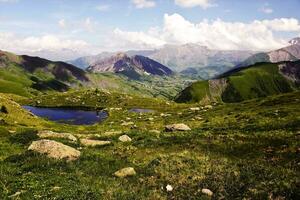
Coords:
259,80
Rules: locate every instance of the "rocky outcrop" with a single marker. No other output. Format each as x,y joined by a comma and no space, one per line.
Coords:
53,149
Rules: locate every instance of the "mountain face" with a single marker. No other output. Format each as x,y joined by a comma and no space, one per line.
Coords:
130,66
259,80
178,58
24,75
289,53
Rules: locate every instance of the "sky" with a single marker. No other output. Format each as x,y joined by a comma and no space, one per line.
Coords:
85,27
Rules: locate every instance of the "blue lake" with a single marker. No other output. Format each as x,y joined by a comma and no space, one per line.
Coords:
68,116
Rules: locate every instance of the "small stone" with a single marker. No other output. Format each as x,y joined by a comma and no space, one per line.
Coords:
93,143
125,138
207,192
177,127
127,123
53,149
151,119
125,172
208,107
195,109
169,188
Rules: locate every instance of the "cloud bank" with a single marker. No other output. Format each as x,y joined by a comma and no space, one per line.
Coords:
217,34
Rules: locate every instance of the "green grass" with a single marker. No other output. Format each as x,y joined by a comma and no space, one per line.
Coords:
259,80
247,150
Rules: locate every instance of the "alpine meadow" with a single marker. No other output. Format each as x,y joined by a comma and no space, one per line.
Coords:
150,99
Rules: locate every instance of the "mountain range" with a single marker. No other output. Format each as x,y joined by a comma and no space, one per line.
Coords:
133,66
289,53
202,60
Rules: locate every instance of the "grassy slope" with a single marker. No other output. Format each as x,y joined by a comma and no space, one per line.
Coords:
244,150
260,80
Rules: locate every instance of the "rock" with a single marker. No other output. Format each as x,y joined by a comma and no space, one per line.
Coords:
93,143
127,123
208,107
207,192
169,188
125,172
125,138
54,150
51,134
195,109
177,127
150,119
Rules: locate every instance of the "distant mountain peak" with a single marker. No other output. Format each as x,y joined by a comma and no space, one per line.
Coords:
122,63
295,41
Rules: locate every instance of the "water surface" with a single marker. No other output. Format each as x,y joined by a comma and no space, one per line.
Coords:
69,116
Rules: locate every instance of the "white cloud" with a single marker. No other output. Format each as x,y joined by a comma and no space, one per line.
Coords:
62,23
282,24
193,3
15,43
143,3
136,40
217,34
266,9
86,24
102,8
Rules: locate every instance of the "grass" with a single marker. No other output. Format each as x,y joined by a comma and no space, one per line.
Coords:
247,150
259,80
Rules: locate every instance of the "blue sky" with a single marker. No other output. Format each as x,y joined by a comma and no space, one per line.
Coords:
100,25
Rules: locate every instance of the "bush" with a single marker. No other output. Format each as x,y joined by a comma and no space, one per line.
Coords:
3,109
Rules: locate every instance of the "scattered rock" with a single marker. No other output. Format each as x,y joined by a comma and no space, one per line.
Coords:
125,138
125,172
195,109
127,123
177,127
207,192
93,143
54,149
150,119
51,134
169,188
208,107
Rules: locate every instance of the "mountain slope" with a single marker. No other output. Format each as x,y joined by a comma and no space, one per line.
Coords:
289,53
26,75
259,80
133,67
